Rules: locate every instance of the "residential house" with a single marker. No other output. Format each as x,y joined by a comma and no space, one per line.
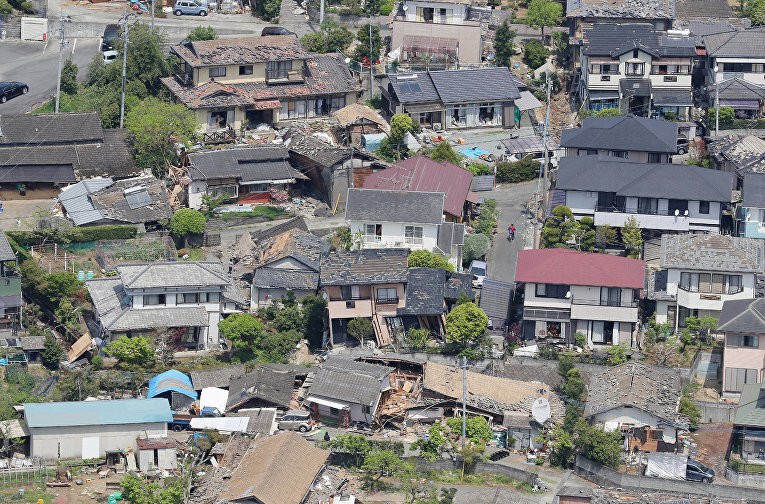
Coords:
584,14
752,210
575,495
567,291
390,218
244,174
157,453
662,197
89,429
637,69
420,173
742,321
139,200
241,83
454,99
261,420
739,155
275,470
641,401
629,137
268,385
357,119
10,294
287,262
188,298
33,347
368,283
749,424
704,271
437,34
219,377
736,71
345,391
39,153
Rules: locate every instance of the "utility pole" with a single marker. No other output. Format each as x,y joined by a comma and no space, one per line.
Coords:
464,398
371,78
126,30
321,11
62,43
545,133
717,105
152,14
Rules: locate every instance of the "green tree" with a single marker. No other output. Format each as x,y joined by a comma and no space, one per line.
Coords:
476,246
433,446
76,385
503,44
69,77
477,429
155,128
444,152
354,444
187,221
137,351
362,50
560,41
466,329
562,447
632,236
66,315
565,364
379,463
313,313
52,354
573,386
701,328
138,491
333,37
268,10
544,13
754,10
585,234
598,445
416,339
360,328
425,259
290,318
535,54
58,286
5,7
244,332
726,116
616,355
394,146
274,347
202,33
518,171
608,112
560,228
690,409
605,236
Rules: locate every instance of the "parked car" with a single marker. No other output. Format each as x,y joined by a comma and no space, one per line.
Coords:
111,33
10,90
275,30
478,270
682,145
109,56
297,420
191,8
696,471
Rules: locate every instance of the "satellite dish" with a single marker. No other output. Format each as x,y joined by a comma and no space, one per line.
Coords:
540,410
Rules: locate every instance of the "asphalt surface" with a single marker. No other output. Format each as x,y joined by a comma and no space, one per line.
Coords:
36,64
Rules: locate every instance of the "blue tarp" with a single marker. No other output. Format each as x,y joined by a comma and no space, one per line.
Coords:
171,381
372,141
474,152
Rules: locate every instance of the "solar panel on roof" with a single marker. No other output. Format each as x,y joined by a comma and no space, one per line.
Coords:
410,87
137,198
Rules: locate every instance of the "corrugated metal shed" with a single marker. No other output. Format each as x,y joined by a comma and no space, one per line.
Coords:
495,300
482,183
76,413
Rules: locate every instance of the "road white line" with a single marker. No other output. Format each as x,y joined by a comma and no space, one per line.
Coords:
74,46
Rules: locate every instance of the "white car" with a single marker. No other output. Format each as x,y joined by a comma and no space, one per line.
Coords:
478,270
110,56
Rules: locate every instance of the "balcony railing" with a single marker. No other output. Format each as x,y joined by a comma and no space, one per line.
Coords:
410,240
387,300
280,74
601,302
372,239
695,290
634,210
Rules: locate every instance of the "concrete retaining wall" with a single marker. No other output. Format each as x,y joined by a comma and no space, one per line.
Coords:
713,412
752,480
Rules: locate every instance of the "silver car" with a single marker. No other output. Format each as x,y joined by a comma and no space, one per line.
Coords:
297,420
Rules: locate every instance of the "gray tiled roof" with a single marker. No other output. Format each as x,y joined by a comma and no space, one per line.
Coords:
625,178
318,150
490,84
151,318
672,97
703,9
424,92
289,279
261,419
109,298
217,377
260,163
622,9
495,300
295,223
753,194
240,51
368,266
271,384
746,153
304,246
625,132
6,251
653,389
742,315
47,129
737,89
173,274
349,381
736,44
449,234
606,39
424,292
379,205
32,342
458,283
711,252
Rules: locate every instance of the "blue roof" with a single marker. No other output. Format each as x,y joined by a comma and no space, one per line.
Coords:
171,381
122,411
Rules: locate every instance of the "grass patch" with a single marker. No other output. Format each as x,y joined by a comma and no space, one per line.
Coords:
452,477
750,469
265,211
32,493
196,254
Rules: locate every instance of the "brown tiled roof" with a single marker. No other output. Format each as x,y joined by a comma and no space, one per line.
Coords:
278,469
240,51
326,74
355,111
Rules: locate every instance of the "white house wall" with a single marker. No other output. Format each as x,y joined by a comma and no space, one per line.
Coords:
393,235
196,189
612,419
45,441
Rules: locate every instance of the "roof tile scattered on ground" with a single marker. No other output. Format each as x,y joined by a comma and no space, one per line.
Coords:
317,150
702,252
368,266
622,9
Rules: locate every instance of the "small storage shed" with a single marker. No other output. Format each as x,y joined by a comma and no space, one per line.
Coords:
156,453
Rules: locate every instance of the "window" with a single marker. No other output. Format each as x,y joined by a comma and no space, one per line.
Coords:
350,292
602,332
707,283
634,69
587,152
413,235
372,233
188,298
734,284
749,341
610,296
217,71
245,69
334,411
680,205
367,409
704,207
386,295
154,299
654,157
648,206
213,297
682,314
618,153
278,69
552,291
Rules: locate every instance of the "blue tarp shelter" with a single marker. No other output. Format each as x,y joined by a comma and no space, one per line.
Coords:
175,386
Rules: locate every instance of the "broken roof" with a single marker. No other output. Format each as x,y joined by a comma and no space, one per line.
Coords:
736,44
746,153
262,420
713,10
712,252
571,267
625,132
50,129
349,381
653,389
261,163
267,382
379,205
219,377
357,113
420,173
282,278
276,469
743,315
317,150
304,246
425,292
367,266
240,51
621,9
608,39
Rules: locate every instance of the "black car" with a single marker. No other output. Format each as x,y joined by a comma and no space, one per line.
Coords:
10,90
696,471
275,30
111,33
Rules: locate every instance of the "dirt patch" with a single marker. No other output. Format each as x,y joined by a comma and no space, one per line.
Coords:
711,445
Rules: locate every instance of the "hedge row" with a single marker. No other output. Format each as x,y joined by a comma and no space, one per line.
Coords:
79,234
23,254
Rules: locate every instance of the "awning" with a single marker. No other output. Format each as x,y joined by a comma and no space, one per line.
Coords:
328,403
672,98
430,45
741,104
267,105
604,95
527,101
635,87
423,107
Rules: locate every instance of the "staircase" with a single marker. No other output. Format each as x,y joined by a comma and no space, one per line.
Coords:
381,330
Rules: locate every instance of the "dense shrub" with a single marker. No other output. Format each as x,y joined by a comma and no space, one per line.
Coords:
78,234
519,171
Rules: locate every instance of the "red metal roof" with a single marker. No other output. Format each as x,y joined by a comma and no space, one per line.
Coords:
570,267
420,173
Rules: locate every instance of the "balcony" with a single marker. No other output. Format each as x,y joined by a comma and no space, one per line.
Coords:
599,302
647,219
386,300
595,309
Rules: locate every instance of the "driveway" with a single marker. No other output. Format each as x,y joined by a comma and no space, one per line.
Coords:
510,203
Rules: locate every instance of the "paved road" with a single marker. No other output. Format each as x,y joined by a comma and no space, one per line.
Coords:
510,203
37,64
